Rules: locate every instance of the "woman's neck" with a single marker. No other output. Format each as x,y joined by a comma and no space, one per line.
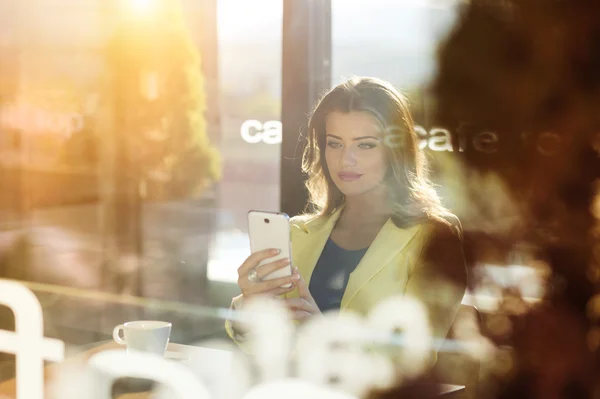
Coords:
368,209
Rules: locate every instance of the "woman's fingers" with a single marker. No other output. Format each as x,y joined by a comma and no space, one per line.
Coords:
300,315
270,293
281,291
253,260
303,289
298,304
266,286
264,271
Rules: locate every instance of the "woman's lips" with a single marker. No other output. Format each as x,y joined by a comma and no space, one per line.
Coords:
349,176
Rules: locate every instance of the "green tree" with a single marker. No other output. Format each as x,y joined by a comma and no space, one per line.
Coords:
159,99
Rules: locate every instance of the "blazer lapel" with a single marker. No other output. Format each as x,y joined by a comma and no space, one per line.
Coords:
313,238
388,243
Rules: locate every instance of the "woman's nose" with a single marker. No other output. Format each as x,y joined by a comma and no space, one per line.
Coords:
348,157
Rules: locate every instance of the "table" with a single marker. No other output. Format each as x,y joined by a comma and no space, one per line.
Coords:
207,364
203,362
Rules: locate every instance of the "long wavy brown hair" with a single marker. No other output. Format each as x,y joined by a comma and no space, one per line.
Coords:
412,195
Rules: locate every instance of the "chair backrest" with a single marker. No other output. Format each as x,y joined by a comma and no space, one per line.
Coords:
454,364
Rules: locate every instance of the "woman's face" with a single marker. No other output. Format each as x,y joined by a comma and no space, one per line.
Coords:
354,152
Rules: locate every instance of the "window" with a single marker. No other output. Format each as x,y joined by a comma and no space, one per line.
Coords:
396,41
249,48
102,198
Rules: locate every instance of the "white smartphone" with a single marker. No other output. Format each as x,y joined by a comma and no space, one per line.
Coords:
271,230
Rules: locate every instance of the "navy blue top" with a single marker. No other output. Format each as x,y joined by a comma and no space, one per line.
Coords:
332,272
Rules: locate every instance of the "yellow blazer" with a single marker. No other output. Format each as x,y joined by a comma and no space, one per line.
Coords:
393,265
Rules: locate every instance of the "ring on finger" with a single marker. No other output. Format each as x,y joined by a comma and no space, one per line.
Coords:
253,276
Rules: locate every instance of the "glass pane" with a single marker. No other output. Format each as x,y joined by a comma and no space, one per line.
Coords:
398,41
392,40
135,136
250,90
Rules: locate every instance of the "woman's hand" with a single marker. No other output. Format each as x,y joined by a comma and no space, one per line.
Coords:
304,306
267,287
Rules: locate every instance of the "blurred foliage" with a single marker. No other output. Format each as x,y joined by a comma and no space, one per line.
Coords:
56,94
529,70
158,95
81,148
262,103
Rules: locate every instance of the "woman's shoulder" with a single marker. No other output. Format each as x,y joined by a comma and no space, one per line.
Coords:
309,222
447,225
443,247
302,222
454,225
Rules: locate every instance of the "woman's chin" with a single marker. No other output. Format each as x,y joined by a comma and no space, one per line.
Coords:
352,192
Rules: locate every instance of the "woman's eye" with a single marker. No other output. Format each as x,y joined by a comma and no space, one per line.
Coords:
334,144
367,146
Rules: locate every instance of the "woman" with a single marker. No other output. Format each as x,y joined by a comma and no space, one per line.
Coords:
376,221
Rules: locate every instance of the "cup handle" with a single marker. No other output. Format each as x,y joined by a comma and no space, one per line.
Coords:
117,336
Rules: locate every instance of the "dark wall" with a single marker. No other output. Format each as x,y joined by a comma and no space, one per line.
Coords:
306,74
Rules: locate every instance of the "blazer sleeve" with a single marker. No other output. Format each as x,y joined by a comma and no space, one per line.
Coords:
234,333
439,281
297,223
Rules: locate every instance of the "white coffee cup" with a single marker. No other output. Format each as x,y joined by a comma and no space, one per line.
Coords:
144,335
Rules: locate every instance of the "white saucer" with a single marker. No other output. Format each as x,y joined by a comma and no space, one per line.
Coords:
177,356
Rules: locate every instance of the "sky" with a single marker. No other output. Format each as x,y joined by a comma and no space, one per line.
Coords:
392,39
408,21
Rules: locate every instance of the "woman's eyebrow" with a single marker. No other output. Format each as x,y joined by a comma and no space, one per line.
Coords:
365,137
354,139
